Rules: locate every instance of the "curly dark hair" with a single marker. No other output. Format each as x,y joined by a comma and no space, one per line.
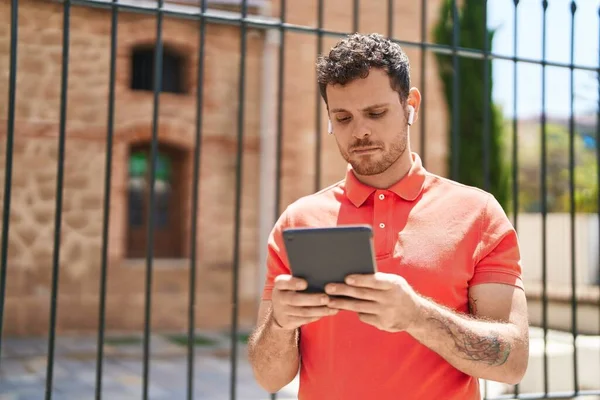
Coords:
354,56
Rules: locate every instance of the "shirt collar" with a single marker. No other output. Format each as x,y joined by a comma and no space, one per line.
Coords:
408,188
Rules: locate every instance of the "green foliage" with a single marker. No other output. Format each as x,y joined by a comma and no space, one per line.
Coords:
123,341
471,103
199,340
557,171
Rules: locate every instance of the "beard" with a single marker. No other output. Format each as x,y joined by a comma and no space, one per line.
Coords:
374,164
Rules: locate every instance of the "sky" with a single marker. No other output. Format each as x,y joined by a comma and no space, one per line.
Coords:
558,49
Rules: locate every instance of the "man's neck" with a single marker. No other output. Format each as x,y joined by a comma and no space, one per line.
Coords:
389,177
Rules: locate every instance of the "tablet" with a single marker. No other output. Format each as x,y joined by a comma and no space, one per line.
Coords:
328,255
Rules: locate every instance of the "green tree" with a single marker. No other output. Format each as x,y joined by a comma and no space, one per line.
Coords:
471,126
557,170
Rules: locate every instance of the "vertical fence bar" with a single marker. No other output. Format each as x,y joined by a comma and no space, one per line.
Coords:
515,144
355,15
515,132
390,19
157,87
486,119
194,219
423,110
515,125
238,198
544,201
59,197
455,92
280,99
572,198
10,135
486,100
598,155
107,194
318,138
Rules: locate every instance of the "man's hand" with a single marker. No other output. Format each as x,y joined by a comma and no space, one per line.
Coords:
385,301
291,309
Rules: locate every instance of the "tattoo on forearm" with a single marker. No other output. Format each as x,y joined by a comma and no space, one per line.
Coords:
472,305
490,349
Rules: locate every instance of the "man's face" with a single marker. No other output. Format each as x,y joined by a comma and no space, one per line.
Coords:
369,122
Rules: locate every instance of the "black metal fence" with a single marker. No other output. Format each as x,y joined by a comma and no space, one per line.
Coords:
245,21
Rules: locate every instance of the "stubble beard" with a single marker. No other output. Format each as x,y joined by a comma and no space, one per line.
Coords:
378,163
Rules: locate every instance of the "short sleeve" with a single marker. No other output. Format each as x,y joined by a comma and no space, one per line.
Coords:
276,258
498,256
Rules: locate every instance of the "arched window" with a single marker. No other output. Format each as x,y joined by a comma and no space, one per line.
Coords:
142,70
168,235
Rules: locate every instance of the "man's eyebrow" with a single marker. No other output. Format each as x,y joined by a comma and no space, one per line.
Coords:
369,108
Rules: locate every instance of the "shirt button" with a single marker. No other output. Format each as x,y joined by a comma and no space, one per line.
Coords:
382,225
381,197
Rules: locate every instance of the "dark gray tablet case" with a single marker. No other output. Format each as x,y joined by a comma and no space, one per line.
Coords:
326,255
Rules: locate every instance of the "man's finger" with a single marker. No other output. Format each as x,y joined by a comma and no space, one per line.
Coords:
305,299
289,282
310,312
362,293
359,306
299,321
378,280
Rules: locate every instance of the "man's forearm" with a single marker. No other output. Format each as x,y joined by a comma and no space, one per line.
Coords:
483,349
273,354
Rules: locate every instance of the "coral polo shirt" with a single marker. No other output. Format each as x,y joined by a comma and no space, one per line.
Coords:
442,237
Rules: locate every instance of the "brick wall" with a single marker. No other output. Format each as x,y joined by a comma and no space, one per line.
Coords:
36,157
35,161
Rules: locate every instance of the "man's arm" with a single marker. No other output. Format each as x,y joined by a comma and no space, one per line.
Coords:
273,348
492,344
273,351
493,341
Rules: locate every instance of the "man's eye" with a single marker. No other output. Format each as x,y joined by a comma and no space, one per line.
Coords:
377,114
343,119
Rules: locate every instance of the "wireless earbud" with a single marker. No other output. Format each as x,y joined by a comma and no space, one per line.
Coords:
329,127
411,115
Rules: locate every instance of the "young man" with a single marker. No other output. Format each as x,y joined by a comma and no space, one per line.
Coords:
446,306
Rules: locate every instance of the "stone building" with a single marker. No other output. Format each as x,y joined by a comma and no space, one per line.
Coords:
36,149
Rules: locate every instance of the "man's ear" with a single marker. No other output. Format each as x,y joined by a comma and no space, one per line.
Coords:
411,115
329,127
413,104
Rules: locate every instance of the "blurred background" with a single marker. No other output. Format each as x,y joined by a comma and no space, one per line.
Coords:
192,124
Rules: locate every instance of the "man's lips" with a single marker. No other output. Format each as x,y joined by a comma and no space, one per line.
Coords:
363,150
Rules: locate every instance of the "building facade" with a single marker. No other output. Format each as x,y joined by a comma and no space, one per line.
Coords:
36,155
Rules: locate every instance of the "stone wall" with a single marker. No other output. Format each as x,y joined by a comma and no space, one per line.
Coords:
35,163
36,156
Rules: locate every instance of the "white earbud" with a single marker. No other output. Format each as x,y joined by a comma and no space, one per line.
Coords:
411,115
329,127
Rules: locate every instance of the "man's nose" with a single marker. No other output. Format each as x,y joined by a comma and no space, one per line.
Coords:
361,131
